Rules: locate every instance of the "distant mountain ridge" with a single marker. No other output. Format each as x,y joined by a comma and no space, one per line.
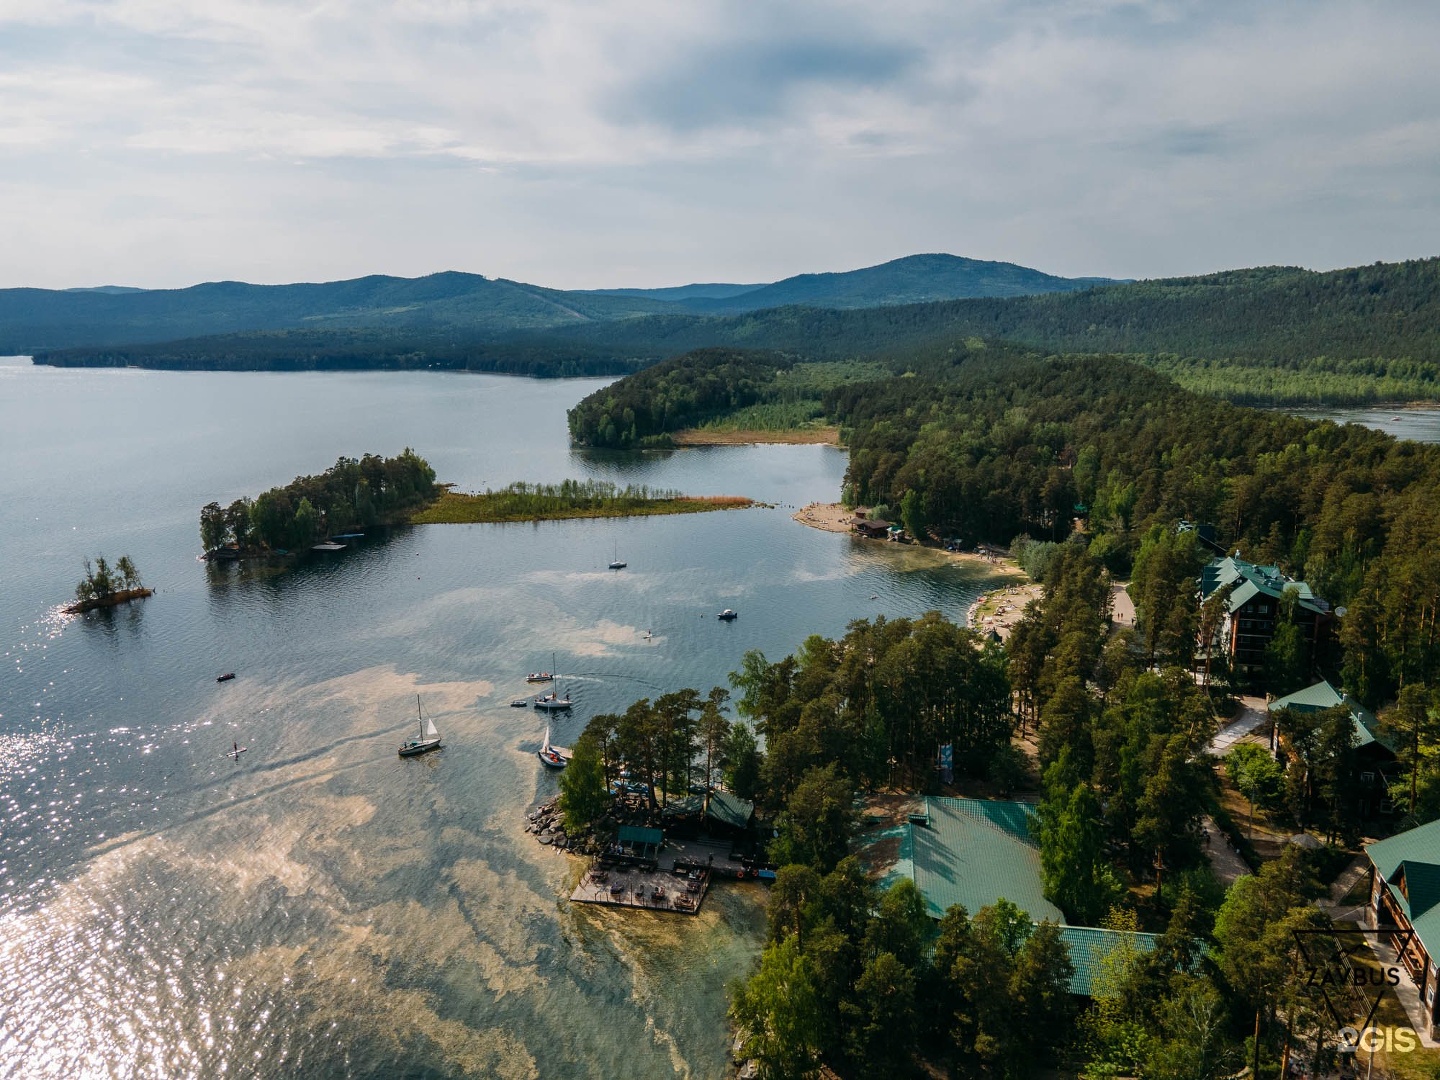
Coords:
481,308
915,279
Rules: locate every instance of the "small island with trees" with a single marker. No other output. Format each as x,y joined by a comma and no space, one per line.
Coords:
105,585
351,495
356,494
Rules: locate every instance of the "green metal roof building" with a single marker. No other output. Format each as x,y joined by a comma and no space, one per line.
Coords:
1253,606
1323,696
977,851
1405,896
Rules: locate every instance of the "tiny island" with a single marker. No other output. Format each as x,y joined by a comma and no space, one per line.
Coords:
106,586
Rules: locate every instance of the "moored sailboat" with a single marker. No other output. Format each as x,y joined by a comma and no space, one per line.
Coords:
550,756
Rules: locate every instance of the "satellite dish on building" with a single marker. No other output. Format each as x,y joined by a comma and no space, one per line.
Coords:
1340,612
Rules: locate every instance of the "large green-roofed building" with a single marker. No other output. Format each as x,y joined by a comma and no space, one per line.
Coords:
973,852
977,851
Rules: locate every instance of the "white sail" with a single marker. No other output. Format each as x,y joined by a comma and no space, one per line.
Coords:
430,732
547,737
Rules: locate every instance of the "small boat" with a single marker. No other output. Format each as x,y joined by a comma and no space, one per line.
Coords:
429,738
329,545
549,756
616,563
539,676
235,751
553,702
728,615
226,677
519,702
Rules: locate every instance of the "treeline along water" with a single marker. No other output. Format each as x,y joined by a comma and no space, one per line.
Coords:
322,908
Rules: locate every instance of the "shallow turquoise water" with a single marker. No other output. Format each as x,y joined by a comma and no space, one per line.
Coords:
323,908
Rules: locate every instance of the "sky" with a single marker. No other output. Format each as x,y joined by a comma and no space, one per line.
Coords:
607,143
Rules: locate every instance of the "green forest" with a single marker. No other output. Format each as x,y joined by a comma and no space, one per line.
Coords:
858,977
1273,335
1092,469
354,493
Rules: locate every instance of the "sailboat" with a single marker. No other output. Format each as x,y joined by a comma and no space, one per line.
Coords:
616,563
428,739
553,702
550,756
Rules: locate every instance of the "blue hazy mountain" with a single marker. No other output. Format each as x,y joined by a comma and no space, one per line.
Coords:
39,319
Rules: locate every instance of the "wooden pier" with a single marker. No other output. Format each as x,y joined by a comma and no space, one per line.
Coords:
676,880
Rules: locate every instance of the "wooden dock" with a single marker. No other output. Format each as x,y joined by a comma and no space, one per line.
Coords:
677,881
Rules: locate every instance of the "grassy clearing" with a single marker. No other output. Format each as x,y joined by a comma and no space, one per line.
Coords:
546,502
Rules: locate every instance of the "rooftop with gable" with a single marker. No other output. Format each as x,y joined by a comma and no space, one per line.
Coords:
1322,696
1251,580
1409,863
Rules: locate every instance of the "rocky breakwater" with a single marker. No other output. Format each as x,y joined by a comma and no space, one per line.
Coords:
547,824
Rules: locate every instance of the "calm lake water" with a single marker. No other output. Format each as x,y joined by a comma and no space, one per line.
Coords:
1419,423
323,908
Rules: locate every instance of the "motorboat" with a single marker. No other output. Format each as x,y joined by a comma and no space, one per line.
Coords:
728,615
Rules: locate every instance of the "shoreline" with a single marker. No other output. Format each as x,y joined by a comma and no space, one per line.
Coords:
114,599
455,508
1001,608
833,517
826,436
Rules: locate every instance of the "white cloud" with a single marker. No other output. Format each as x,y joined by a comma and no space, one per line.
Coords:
589,143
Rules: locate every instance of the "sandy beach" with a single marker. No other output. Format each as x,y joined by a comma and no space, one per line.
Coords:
997,610
1001,609
831,517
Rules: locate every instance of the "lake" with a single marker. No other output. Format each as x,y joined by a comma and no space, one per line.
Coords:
1419,423
323,908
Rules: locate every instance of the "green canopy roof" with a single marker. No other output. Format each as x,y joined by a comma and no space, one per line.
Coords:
725,808
633,834
974,852
1090,945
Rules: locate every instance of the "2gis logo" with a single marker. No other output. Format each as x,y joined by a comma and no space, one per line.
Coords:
1389,1040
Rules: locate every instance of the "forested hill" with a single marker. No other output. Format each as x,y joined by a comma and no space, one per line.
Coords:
479,308
1277,334
476,307
911,280
1284,314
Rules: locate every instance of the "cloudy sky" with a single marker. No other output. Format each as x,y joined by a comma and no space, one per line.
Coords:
584,143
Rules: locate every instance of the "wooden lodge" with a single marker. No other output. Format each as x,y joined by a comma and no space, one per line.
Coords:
1405,899
1253,607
